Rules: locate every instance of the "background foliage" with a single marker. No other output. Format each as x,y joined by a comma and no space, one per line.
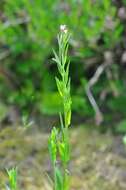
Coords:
28,32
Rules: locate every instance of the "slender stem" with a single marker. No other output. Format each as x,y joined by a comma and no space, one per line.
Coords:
54,173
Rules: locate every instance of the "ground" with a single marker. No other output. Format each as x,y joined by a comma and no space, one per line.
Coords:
98,161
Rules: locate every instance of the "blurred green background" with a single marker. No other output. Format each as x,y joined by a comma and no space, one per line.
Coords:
28,33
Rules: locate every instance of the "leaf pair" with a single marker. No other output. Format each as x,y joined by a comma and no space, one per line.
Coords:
53,145
63,147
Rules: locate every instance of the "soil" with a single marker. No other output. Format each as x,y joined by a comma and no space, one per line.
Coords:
98,161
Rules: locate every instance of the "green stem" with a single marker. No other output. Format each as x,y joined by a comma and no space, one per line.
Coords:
54,174
65,183
65,164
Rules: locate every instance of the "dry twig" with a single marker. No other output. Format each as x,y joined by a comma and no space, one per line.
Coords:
16,22
4,54
93,81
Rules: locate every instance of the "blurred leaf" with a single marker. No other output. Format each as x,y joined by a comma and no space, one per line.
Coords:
121,127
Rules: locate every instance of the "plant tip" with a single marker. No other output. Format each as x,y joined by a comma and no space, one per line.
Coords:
63,28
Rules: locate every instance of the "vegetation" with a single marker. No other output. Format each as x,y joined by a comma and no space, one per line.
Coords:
27,35
31,73
59,141
12,174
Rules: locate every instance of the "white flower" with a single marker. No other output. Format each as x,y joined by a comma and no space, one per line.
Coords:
63,28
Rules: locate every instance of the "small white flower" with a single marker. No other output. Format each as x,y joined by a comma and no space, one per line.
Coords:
63,28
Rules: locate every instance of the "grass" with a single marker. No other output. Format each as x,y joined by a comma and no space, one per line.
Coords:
59,139
12,175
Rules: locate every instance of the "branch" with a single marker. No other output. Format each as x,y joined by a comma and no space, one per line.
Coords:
4,54
15,22
7,75
92,82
